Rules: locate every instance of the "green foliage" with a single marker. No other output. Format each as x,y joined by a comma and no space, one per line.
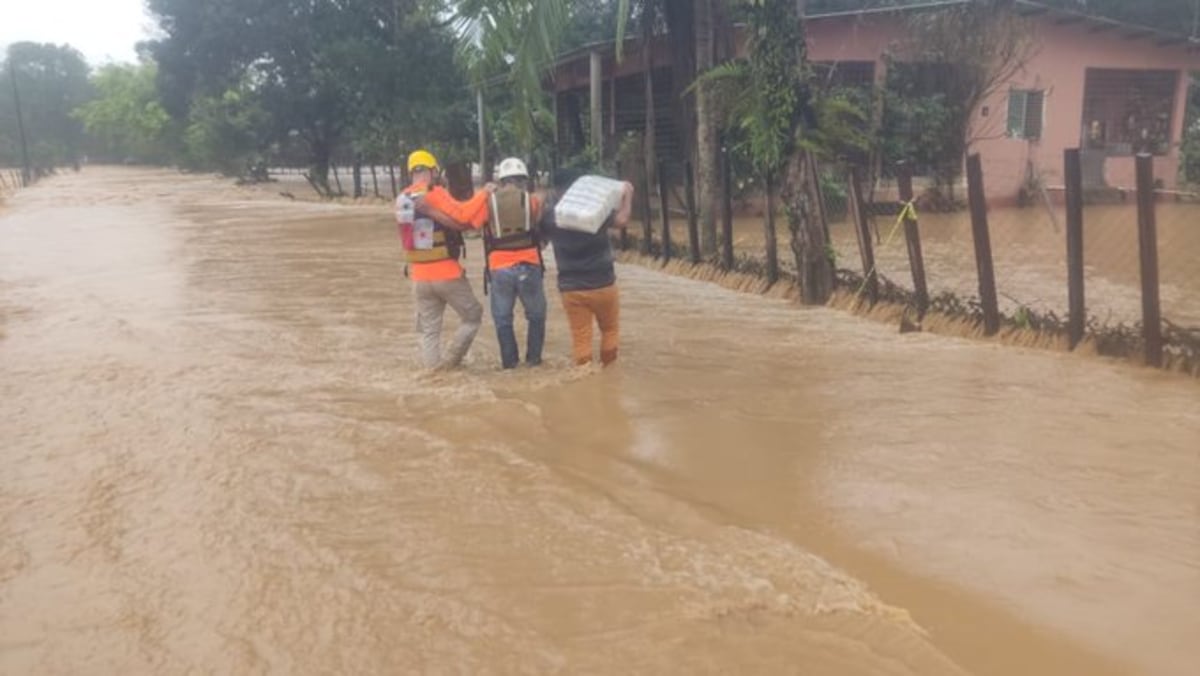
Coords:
514,41
52,81
357,77
125,120
953,60
766,95
919,127
227,133
588,161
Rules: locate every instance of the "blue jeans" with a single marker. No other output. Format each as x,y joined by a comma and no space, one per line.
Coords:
522,281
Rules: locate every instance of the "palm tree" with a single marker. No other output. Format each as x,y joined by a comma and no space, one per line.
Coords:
780,124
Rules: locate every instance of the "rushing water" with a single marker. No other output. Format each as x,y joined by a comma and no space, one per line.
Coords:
219,456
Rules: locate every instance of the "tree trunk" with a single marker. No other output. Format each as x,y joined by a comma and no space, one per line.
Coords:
814,271
707,179
337,179
358,185
321,153
769,225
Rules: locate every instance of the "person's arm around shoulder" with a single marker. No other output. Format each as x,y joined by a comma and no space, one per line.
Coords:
448,212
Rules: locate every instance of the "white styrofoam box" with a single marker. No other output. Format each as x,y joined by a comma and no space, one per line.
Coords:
588,203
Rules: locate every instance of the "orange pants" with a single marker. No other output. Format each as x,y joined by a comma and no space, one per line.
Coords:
602,306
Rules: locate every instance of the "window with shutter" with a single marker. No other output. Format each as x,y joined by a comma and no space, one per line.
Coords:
1025,113
1016,113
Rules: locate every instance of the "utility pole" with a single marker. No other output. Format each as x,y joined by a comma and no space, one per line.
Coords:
27,171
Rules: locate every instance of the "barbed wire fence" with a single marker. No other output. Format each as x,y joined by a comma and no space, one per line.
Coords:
1019,276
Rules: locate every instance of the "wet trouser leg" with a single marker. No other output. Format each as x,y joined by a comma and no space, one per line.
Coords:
459,296
432,299
431,307
584,307
579,317
533,300
503,300
607,306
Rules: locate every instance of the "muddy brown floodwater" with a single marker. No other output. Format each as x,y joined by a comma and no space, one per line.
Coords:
218,456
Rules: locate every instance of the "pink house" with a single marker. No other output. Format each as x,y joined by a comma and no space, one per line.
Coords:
1109,88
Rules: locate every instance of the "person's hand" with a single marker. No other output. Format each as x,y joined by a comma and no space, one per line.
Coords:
489,187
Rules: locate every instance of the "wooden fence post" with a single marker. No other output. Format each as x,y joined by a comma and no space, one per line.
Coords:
862,228
912,237
1077,310
726,210
664,204
983,246
1148,248
693,225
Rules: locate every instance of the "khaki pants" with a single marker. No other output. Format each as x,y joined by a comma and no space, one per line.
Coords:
584,307
432,299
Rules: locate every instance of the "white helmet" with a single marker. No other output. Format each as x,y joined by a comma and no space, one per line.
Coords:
512,167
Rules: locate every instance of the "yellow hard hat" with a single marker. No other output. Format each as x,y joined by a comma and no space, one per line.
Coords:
422,158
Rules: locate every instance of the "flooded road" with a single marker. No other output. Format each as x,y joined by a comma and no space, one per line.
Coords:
1029,255
219,456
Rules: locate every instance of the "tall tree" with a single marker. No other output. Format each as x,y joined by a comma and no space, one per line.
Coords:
779,121
52,81
323,71
125,120
964,54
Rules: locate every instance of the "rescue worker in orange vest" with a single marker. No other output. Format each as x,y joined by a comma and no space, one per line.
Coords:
514,263
431,223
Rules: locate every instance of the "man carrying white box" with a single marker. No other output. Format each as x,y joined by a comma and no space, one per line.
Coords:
578,230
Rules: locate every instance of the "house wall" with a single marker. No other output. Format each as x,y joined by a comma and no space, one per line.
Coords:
1063,54
1064,50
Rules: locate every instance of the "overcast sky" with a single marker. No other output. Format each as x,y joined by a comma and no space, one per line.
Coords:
104,30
